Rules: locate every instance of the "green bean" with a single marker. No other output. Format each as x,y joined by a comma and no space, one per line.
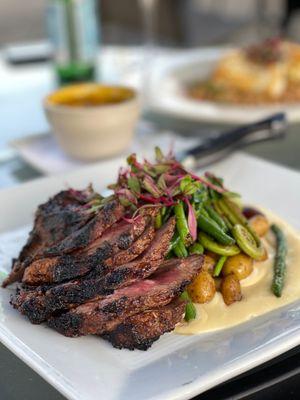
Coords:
163,211
280,261
210,227
196,248
216,217
181,222
190,309
228,212
180,249
223,250
175,239
243,220
204,212
219,265
158,221
246,242
221,213
166,215
236,217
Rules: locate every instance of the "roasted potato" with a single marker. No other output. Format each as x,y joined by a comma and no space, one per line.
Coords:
212,255
259,224
209,263
218,282
240,265
231,289
203,288
264,256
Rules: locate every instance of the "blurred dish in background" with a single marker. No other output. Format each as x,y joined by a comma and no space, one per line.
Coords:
268,72
91,121
171,77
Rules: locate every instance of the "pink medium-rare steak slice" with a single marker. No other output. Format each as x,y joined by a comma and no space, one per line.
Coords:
99,316
145,264
39,307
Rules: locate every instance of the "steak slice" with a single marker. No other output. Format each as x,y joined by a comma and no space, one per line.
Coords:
140,330
100,316
137,247
54,220
38,307
104,219
145,264
117,238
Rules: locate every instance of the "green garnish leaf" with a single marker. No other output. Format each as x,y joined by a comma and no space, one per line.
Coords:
161,183
134,184
159,156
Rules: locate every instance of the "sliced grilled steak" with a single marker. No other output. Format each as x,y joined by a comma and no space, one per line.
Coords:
99,316
39,307
104,219
137,247
140,330
117,238
54,220
145,264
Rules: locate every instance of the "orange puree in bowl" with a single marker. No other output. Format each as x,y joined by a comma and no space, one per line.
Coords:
90,95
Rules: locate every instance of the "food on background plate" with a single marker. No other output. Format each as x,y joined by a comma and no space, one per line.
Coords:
152,257
264,73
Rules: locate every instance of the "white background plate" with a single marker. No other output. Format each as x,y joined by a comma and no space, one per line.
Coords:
166,94
176,367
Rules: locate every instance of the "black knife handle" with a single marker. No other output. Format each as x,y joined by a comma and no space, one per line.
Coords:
269,128
217,147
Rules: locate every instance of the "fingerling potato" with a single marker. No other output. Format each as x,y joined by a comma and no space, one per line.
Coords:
231,289
259,224
240,265
203,288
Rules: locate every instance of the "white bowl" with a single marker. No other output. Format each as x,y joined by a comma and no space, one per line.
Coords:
90,132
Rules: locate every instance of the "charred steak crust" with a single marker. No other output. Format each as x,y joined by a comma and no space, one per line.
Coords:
99,316
100,273
109,214
69,266
94,284
137,247
54,220
146,263
141,330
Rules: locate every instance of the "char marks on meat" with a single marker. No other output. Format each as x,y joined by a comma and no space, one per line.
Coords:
101,272
140,330
104,219
54,220
118,237
101,316
38,308
145,264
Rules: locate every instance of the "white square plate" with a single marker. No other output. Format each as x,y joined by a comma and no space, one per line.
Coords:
176,367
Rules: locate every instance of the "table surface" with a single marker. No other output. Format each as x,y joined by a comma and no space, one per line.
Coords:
21,114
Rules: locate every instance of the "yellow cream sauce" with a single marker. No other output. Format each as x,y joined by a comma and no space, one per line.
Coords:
257,298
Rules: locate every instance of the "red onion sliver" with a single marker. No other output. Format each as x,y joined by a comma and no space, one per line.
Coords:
192,220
